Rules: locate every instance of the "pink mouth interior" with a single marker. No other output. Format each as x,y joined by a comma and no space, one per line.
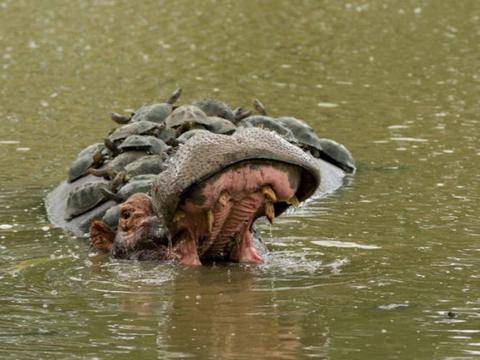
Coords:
235,200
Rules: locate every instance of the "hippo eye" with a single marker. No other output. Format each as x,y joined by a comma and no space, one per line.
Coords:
126,214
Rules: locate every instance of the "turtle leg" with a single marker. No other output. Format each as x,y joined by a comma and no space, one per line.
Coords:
101,236
110,145
98,159
118,180
98,172
110,195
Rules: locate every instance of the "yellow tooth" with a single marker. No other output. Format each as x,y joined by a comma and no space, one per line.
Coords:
223,199
179,215
268,192
293,201
269,211
210,219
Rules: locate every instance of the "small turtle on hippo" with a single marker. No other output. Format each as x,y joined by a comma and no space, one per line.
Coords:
156,113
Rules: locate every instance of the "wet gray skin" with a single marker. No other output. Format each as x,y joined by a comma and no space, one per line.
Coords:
199,158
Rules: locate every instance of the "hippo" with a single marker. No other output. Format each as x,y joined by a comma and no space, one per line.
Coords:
201,203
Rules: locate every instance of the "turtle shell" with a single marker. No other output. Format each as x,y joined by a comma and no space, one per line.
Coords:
182,139
215,108
304,134
168,136
136,185
112,216
150,164
85,159
85,197
118,163
269,123
156,113
187,115
135,128
220,125
338,155
146,143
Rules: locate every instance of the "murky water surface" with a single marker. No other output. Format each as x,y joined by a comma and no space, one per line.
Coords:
370,272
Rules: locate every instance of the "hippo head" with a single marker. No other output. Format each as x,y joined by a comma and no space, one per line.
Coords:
204,204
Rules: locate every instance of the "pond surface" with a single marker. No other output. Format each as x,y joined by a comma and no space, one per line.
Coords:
369,272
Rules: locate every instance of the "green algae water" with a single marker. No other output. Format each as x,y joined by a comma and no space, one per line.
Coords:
386,268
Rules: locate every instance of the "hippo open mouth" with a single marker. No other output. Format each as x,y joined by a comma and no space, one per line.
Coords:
217,186
214,218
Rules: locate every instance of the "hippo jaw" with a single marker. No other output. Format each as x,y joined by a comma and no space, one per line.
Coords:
213,220
216,186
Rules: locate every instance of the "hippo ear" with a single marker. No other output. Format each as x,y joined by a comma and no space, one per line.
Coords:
101,236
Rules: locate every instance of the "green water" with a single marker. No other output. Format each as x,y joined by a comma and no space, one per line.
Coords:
398,82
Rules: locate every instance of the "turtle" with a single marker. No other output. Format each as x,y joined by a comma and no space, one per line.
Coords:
85,197
157,113
187,117
269,123
112,216
150,164
114,166
338,155
135,128
182,139
220,125
149,144
149,112
215,108
168,136
305,135
325,149
138,184
91,156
